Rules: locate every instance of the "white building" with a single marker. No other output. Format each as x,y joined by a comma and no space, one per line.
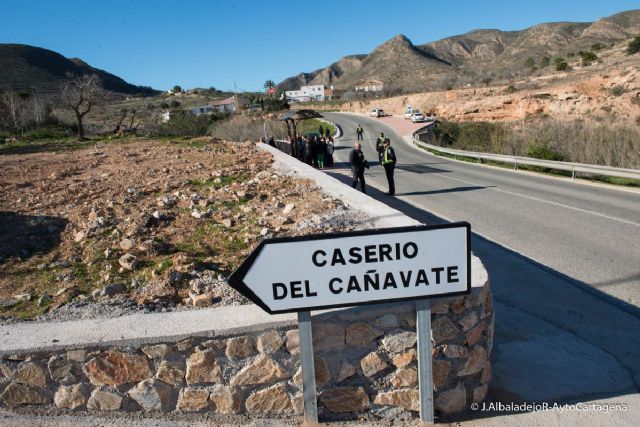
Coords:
230,104
306,93
369,86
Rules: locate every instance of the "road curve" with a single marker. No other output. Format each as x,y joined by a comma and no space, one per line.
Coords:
587,232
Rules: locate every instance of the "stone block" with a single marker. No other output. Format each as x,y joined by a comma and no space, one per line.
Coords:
372,363
71,397
474,334
19,394
453,351
192,399
323,374
407,377
403,359
157,351
240,347
104,400
398,342
452,401
225,400
468,321
328,337
407,399
31,373
269,342
346,370
443,329
63,370
115,368
440,370
361,334
202,367
293,342
345,399
152,395
263,370
273,400
171,372
477,360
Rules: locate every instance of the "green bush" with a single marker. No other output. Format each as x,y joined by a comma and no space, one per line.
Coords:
530,62
587,57
634,46
562,66
175,104
46,133
617,90
597,46
545,61
542,151
511,89
186,124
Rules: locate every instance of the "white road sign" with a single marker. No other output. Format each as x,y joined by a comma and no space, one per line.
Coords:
334,270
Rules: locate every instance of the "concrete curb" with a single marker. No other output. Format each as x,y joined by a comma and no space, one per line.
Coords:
142,329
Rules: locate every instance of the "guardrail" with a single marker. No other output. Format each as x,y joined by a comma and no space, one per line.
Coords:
528,161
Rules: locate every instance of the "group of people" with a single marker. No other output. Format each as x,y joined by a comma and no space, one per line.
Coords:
313,150
386,156
317,151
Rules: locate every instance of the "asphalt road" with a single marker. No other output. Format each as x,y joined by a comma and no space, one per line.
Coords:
586,232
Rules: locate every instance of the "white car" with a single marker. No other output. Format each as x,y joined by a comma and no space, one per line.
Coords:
409,112
418,117
377,112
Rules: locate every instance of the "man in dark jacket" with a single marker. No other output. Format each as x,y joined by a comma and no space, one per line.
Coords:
358,164
389,163
380,146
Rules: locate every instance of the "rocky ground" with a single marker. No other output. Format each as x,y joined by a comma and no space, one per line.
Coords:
607,89
142,225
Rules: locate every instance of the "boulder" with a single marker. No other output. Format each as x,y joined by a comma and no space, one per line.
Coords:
269,342
452,401
152,395
225,400
361,334
345,399
19,394
272,400
31,373
407,399
71,397
398,342
372,363
263,370
192,399
202,367
103,400
171,372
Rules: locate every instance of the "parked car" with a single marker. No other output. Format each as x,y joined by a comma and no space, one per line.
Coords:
409,112
377,112
418,117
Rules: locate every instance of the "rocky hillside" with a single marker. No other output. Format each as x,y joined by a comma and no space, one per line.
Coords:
501,54
29,68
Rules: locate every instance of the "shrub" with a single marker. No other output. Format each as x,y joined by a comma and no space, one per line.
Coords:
569,55
562,66
174,104
634,46
529,63
587,57
246,128
617,90
597,46
545,61
511,89
185,125
542,151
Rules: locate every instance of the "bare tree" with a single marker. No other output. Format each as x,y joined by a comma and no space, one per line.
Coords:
80,94
16,111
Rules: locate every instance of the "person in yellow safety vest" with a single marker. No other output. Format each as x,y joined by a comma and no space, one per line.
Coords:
359,132
380,146
389,163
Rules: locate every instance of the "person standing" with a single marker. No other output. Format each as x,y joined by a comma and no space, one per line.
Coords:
322,149
358,164
380,146
359,132
389,163
330,148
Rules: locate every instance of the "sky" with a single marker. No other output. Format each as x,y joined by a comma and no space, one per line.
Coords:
242,43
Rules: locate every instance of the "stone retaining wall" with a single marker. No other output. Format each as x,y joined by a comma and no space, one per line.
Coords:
365,361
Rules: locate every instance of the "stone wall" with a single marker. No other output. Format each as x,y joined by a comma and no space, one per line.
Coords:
365,361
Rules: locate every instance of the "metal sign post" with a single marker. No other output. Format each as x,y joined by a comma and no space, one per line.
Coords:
425,374
308,367
357,268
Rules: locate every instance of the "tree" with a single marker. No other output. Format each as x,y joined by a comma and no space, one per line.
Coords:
269,86
80,93
15,109
177,89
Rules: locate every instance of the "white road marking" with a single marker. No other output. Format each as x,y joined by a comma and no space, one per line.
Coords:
537,199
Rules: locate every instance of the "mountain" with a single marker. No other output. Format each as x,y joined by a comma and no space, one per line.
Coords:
402,65
29,68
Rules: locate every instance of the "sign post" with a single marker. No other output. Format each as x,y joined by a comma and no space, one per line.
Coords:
299,274
308,367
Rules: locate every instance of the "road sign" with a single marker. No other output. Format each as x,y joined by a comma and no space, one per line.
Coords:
294,274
